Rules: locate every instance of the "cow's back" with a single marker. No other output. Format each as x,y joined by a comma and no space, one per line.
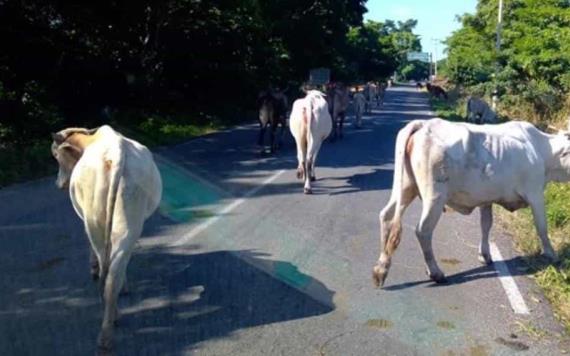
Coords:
321,121
133,162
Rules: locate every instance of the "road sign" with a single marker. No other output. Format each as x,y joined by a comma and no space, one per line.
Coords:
418,56
319,76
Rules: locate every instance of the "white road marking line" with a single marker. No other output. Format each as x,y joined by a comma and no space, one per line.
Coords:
212,220
513,294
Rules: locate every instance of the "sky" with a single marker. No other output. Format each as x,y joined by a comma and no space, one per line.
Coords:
436,18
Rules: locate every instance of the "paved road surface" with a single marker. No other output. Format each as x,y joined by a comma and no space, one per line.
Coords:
239,262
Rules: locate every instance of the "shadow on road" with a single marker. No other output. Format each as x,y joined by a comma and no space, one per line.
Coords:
179,300
518,266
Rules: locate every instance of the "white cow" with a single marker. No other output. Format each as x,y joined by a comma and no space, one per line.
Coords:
359,107
479,112
310,124
464,166
114,187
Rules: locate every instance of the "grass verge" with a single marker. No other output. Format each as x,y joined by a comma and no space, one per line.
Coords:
34,160
554,280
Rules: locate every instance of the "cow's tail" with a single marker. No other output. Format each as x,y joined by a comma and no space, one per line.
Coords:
115,174
469,109
401,161
310,119
395,228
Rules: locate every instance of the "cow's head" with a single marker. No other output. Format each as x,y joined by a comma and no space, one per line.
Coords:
67,153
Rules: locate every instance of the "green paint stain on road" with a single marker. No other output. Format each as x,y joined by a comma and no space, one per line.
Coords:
183,194
290,274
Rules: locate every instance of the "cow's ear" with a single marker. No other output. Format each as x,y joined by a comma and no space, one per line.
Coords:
71,149
57,138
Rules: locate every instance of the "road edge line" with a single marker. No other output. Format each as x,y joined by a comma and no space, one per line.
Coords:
507,281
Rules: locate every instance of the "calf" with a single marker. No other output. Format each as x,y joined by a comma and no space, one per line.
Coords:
114,187
359,106
272,111
436,90
479,112
463,166
338,99
380,93
310,124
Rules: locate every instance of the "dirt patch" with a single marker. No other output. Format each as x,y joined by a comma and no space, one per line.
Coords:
379,323
450,261
444,324
512,344
48,264
478,350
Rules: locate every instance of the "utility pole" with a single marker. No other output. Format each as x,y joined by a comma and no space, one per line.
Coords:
495,97
435,41
430,67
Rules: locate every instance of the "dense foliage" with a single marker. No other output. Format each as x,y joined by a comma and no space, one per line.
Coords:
533,64
157,67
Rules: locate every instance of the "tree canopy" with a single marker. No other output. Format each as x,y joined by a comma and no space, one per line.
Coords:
65,63
534,59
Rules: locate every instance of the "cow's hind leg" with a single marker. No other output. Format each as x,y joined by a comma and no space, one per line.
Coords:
261,137
432,209
334,135
409,193
301,155
282,132
313,146
121,252
273,129
312,157
341,124
486,223
94,265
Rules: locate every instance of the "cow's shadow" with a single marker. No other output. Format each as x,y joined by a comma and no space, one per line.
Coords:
180,299
518,266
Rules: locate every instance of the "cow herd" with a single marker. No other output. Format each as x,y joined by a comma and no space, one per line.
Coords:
115,185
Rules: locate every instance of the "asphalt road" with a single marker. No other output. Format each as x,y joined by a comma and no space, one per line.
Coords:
239,262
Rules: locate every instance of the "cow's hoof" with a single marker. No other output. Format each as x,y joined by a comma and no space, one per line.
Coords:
313,178
438,277
105,345
95,275
299,174
485,259
379,276
307,191
552,257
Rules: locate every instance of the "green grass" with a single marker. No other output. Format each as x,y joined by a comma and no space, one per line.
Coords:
554,280
34,160
446,110
155,131
21,163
